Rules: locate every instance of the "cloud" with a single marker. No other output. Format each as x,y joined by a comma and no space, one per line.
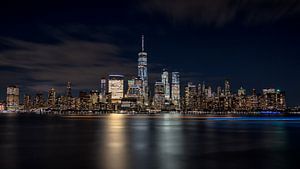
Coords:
220,12
43,65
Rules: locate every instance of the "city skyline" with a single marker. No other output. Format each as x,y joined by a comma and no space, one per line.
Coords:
146,84
166,91
248,43
166,94
113,95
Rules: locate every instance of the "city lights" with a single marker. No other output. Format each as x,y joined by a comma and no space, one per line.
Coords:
113,97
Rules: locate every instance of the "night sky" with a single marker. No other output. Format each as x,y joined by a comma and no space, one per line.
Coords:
253,43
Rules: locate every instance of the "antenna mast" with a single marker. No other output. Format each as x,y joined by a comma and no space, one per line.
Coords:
142,43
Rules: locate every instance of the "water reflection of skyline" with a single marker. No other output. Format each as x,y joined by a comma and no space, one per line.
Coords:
113,150
167,142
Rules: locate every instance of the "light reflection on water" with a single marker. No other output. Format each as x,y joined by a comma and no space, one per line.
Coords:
167,141
114,152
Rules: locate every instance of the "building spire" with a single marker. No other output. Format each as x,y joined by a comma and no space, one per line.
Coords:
142,43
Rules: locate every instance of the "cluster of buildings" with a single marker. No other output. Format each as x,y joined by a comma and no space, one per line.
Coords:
202,98
168,95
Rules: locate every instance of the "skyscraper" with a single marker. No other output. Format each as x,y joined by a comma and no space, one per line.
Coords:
103,86
134,88
165,81
116,87
103,90
208,92
67,100
273,99
12,98
219,91
142,72
227,88
240,101
130,84
175,92
51,98
228,98
241,91
190,100
39,100
69,90
253,101
159,96
94,98
280,100
27,102
84,100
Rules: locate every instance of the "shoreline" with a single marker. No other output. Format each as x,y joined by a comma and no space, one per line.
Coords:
176,117
194,114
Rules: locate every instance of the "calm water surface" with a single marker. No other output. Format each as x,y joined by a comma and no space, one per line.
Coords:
136,142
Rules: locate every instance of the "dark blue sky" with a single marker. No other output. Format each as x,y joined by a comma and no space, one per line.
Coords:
254,43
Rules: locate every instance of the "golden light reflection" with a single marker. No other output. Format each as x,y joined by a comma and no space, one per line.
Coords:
169,131
113,150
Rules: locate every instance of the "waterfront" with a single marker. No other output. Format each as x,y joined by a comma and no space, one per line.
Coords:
164,141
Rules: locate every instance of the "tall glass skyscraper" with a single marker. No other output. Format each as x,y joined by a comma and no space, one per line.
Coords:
103,86
142,72
165,81
176,90
103,90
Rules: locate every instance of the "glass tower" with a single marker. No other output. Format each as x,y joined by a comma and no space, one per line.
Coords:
142,72
176,90
165,80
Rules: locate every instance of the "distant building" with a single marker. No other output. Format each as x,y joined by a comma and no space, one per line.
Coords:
272,99
165,81
143,73
116,88
190,97
84,100
94,99
39,101
241,92
27,102
175,90
268,99
69,90
129,103
51,98
68,99
12,98
103,90
227,88
135,89
252,102
208,92
240,101
219,91
2,106
159,96
228,97
130,83
280,100
138,82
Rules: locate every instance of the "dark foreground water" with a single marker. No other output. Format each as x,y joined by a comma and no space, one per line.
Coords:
137,142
